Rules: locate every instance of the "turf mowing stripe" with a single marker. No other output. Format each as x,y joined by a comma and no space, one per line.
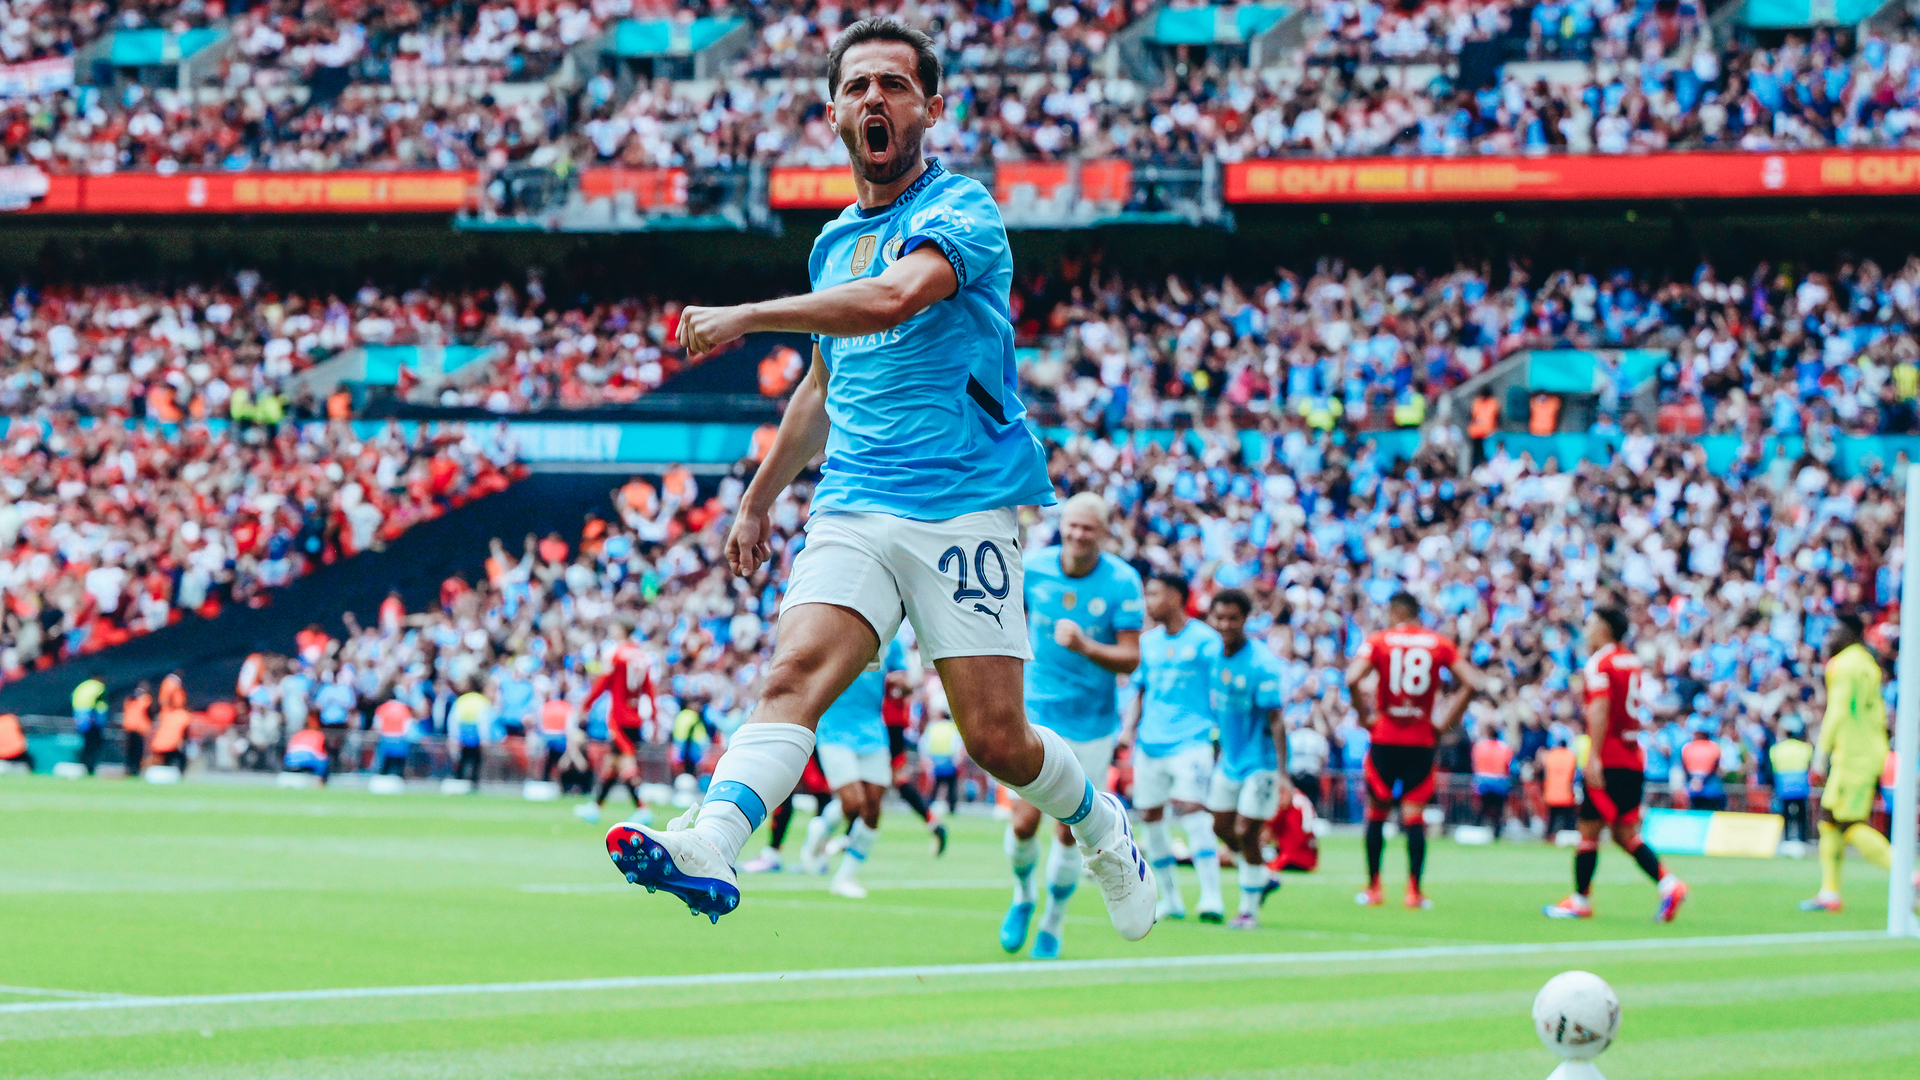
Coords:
646,982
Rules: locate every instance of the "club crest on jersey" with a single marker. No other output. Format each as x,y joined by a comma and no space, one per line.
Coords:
890,251
863,252
1096,606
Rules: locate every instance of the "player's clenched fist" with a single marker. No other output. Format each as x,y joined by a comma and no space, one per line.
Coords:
1066,634
747,545
704,329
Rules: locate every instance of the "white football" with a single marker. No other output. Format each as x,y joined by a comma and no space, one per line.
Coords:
1577,1015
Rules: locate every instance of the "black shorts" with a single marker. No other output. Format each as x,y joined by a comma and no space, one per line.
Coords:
1620,802
1409,766
896,743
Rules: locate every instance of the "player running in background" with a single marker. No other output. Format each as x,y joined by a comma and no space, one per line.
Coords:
1615,769
1246,789
1850,752
628,684
1084,612
1173,744
1405,660
913,395
852,744
897,711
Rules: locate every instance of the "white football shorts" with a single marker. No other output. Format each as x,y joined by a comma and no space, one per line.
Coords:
843,765
1256,798
958,581
1179,777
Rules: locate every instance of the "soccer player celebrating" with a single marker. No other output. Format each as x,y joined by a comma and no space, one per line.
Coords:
912,394
628,684
1850,752
853,755
1173,744
1615,769
1246,788
1406,660
1083,619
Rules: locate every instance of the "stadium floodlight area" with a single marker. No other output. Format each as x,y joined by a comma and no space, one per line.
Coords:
1906,727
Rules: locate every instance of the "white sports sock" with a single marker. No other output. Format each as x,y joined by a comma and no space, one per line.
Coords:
1206,858
1022,855
1063,876
762,765
1063,792
1253,882
821,827
1159,839
859,846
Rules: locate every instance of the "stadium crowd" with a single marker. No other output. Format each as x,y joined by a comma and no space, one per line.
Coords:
420,91
110,530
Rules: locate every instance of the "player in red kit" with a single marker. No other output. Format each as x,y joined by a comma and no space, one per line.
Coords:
1614,768
628,682
1406,660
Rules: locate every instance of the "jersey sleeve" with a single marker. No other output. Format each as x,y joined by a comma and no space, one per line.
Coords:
1129,607
1266,691
1445,652
965,225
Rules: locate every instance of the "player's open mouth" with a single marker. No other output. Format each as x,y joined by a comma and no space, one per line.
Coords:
878,136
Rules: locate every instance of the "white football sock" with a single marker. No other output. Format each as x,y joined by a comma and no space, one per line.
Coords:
859,846
1063,792
1159,840
1063,876
760,768
1022,855
821,827
1205,849
1253,882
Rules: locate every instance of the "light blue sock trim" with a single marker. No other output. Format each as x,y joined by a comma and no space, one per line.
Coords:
742,796
1061,892
1163,863
1086,807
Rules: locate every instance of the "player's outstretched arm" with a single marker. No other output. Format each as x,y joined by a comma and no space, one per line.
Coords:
802,435
1472,681
1357,672
915,282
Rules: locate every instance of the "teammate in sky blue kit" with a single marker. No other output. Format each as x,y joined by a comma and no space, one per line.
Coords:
1248,784
859,768
912,395
1173,744
1084,613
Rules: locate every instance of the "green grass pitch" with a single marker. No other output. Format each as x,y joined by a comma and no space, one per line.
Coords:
112,888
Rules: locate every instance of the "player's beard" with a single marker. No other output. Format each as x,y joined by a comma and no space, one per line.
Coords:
904,142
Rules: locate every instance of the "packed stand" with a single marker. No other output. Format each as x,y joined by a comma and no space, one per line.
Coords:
793,39
231,351
1770,352
111,530
510,41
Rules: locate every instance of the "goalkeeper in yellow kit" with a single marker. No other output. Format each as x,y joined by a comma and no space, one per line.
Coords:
1851,752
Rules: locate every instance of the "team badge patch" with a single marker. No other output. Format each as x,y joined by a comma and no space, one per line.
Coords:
863,252
1068,599
890,251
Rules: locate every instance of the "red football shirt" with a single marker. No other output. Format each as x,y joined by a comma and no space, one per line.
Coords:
1407,662
1613,673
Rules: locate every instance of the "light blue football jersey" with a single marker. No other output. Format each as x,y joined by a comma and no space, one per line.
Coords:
1067,692
1176,678
853,720
927,418
1246,689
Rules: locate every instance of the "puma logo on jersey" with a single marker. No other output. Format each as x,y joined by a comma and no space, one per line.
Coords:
985,610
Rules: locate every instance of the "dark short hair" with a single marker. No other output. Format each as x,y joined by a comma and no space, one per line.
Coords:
1235,597
1176,583
926,56
1406,602
1851,620
1616,621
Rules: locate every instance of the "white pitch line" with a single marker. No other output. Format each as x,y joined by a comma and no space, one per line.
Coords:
38,991
948,971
